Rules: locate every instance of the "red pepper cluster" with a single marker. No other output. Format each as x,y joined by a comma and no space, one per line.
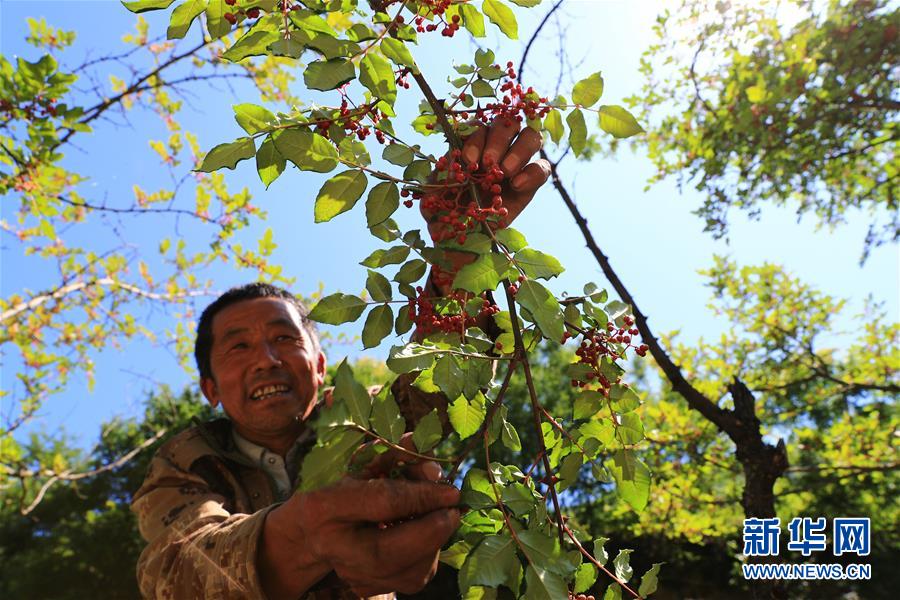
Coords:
596,344
351,121
39,107
250,13
517,103
449,199
422,312
437,8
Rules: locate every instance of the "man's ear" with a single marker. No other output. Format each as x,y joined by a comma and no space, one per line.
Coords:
321,363
210,390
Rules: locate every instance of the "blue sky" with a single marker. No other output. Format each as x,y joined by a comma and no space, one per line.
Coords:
651,237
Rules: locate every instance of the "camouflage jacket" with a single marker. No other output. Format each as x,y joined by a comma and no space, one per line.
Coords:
202,507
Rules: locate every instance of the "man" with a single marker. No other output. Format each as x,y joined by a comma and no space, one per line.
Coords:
209,506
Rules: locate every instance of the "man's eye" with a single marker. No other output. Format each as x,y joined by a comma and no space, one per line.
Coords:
239,346
284,338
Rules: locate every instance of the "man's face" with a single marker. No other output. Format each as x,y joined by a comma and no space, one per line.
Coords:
266,369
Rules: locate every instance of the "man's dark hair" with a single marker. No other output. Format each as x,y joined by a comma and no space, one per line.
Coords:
250,291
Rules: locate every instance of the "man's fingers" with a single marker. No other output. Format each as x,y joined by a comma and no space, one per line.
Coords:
383,500
526,145
474,145
499,137
412,542
531,177
387,461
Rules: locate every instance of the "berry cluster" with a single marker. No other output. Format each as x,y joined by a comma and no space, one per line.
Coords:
437,8
444,199
428,320
595,344
250,13
517,103
39,107
351,121
580,597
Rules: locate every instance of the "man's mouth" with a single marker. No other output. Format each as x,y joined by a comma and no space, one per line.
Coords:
269,390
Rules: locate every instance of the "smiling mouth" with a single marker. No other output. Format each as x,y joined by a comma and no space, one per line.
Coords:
269,391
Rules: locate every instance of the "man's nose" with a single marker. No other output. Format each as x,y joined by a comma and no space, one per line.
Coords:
267,356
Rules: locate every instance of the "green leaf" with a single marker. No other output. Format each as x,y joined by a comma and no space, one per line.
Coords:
329,74
554,126
309,151
448,376
484,274
338,308
253,118
602,431
353,152
456,554
491,561
339,194
501,16
613,592
411,271
587,91
228,155
537,264
482,89
466,417
428,432
618,122
216,24
403,323
397,51
649,580
541,584
632,478
418,170
392,256
526,3
139,6
472,20
617,310
623,399
412,357
483,58
587,404
545,551
327,464
252,43
311,22
599,550
510,437
569,469
543,307
352,394
269,162
386,419
630,430
511,238
383,200
622,566
291,47
376,74
577,131
398,154
378,325
378,286
585,577
182,17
